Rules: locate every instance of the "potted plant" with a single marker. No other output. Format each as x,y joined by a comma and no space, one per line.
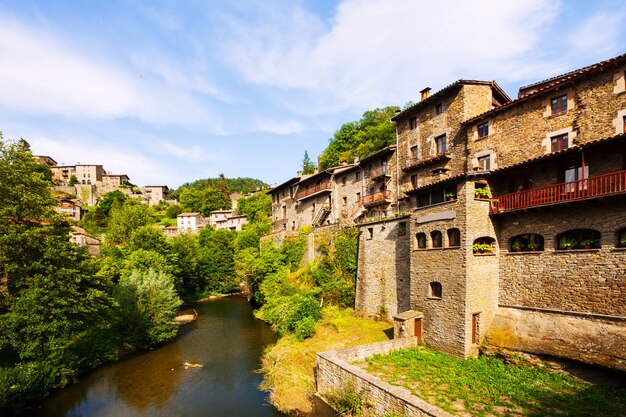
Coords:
482,193
586,244
482,248
449,196
533,246
568,244
517,247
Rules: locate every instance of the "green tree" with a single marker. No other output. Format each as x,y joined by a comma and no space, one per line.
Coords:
124,220
149,238
73,180
218,259
148,304
188,262
107,200
257,208
173,210
308,166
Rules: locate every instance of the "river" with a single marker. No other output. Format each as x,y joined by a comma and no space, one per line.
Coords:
226,339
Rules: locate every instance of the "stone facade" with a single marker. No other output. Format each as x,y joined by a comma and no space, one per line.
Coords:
154,194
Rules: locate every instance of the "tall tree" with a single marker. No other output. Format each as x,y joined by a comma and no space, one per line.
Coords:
308,166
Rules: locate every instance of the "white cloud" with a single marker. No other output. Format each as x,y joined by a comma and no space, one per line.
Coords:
43,73
379,51
289,127
185,152
597,34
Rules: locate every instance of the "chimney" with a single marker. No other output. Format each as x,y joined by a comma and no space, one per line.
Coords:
425,93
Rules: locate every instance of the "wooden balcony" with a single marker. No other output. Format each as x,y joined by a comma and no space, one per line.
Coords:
308,192
382,197
381,171
588,188
413,163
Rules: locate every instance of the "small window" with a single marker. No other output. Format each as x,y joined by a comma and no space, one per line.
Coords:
414,180
401,228
621,238
440,142
413,123
475,328
484,163
527,242
370,232
560,142
420,239
436,237
413,151
343,180
358,196
623,124
344,201
578,239
357,176
439,108
559,104
454,238
483,130
484,244
435,290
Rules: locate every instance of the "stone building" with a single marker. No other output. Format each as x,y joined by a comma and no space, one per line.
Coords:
154,194
45,160
517,227
227,219
190,222
114,181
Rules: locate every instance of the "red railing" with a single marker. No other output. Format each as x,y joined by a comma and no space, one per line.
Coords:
312,190
592,187
382,196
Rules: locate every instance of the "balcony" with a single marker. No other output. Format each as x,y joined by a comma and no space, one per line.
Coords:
309,192
380,171
382,197
588,188
413,163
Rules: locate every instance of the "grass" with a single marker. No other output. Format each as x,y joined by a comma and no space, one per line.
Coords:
488,387
288,366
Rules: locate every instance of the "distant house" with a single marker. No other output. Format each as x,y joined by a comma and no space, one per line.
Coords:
170,231
81,239
226,219
190,222
154,194
69,208
113,181
45,160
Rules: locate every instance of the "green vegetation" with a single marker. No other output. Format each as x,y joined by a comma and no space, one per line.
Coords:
347,401
288,367
227,185
308,166
487,386
373,132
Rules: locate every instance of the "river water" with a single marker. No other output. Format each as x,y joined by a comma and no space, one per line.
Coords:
226,339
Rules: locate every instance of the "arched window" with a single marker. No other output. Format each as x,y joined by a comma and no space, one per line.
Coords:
454,237
436,238
436,290
420,239
528,242
578,239
621,238
483,245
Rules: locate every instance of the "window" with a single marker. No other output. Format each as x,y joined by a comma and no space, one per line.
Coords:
435,290
484,163
439,108
370,232
578,239
434,197
475,328
420,240
483,244
559,143
343,180
401,228
357,176
440,142
621,238
454,238
413,151
483,130
358,196
624,124
575,175
526,242
414,180
559,104
436,237
344,201
413,123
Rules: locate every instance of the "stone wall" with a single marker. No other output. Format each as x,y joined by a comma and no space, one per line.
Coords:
335,373
585,338
383,281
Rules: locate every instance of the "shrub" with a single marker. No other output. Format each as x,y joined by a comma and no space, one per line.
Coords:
305,328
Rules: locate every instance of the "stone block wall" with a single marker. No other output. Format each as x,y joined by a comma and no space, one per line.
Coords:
589,339
383,281
335,373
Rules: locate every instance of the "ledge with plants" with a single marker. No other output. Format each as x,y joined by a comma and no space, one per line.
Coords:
482,248
482,193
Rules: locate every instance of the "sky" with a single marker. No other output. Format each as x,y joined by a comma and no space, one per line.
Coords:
168,92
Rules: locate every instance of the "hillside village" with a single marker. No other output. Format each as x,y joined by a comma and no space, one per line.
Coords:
490,217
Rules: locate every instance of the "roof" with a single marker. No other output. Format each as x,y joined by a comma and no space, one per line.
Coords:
550,84
156,186
284,184
436,183
192,214
448,89
306,178
115,175
387,150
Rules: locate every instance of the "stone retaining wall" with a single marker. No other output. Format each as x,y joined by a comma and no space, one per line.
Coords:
334,373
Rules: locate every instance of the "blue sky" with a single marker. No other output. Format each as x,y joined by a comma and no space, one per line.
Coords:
173,91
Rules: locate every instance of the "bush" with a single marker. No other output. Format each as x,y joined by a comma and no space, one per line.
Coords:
287,311
305,328
25,382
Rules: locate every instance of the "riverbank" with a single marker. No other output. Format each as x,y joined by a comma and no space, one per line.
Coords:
289,366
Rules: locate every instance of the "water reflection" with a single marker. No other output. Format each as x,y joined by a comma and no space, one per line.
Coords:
226,339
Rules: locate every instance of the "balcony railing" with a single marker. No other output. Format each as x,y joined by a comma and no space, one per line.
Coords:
312,190
412,163
376,198
379,171
592,187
